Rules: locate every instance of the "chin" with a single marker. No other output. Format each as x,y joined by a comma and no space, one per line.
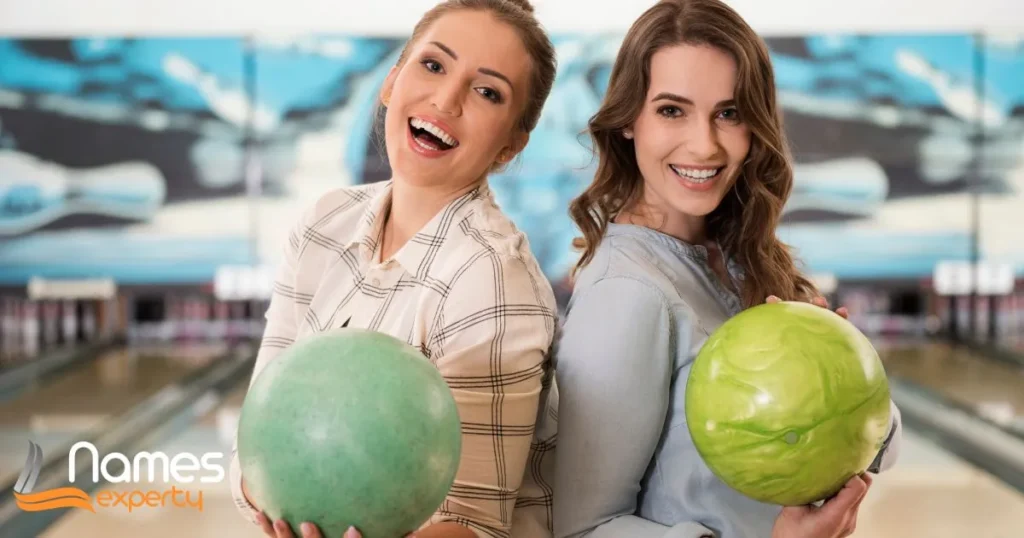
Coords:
697,205
692,210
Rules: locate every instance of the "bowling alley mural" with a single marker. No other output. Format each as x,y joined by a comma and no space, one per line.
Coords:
155,161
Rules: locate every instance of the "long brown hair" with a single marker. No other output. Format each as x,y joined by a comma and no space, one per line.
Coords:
744,223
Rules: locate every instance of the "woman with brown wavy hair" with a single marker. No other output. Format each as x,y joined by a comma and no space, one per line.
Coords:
679,234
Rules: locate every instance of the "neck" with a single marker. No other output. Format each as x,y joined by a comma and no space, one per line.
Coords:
687,228
411,209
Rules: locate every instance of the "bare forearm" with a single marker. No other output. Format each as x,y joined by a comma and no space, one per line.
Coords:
445,530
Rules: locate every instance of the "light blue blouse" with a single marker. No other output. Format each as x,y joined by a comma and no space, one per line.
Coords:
625,463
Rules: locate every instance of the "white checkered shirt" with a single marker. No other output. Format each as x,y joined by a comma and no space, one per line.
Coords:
468,292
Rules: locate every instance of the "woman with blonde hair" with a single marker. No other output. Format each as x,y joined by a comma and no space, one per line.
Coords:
429,258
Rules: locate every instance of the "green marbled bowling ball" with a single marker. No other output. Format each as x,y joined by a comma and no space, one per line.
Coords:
350,427
786,402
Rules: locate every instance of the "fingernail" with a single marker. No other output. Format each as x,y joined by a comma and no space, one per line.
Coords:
307,528
351,533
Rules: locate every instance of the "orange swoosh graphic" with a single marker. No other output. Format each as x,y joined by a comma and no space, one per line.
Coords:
54,498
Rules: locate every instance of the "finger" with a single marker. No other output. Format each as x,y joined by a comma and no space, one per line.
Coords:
352,533
282,529
867,478
837,508
851,524
842,311
265,524
820,301
796,512
773,299
310,530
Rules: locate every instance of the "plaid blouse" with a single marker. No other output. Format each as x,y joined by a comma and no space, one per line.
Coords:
466,291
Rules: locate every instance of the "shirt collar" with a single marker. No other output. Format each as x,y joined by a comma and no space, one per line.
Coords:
420,251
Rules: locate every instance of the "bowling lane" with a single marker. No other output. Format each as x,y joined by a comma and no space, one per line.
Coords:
217,517
930,493
992,389
62,409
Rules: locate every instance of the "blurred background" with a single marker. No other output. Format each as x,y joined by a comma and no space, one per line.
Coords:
153,157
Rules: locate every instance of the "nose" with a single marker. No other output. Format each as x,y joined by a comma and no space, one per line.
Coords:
447,98
702,139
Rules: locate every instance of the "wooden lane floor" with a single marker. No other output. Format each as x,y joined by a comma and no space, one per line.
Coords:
62,410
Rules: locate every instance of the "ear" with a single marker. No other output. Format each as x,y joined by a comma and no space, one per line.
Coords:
515,146
389,84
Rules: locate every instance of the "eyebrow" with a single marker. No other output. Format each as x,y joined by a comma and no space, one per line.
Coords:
680,99
443,47
482,70
494,73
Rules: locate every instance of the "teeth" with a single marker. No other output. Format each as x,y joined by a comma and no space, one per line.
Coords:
698,176
424,146
434,130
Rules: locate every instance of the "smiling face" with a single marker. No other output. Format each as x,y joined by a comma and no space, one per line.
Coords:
454,105
689,139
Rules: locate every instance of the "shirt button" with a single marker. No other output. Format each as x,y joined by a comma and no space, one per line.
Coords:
376,282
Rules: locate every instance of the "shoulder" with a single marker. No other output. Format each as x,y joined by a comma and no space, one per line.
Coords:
487,254
493,289
343,205
630,263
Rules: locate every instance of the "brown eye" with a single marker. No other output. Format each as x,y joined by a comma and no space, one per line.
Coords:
670,111
730,115
490,94
432,65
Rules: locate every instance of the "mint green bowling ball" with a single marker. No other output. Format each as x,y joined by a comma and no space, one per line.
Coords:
350,427
786,402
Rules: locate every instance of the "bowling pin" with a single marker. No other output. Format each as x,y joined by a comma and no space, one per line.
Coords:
959,98
856,185
51,324
69,319
184,332
174,320
30,328
198,319
1002,321
219,324
89,321
45,192
1018,314
10,335
237,324
256,311
202,328
233,105
133,332
108,317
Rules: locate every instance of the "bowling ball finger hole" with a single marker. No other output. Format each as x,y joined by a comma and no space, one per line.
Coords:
791,438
